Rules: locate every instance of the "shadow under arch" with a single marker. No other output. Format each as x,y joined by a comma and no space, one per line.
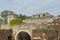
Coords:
23,36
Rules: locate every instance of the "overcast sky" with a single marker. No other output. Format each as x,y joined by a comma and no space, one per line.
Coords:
30,7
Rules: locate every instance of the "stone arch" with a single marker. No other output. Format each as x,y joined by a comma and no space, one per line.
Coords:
27,31
23,36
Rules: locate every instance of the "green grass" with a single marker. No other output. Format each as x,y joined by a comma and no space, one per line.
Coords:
45,28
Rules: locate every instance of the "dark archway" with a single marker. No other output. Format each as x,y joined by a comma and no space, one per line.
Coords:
23,36
9,38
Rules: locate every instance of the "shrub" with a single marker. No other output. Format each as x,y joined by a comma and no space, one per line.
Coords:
15,22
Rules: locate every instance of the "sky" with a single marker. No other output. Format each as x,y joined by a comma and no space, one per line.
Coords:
31,7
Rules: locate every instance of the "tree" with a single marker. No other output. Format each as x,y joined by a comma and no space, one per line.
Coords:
22,17
5,13
15,22
29,17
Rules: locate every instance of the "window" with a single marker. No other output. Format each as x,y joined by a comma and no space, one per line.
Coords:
43,14
39,15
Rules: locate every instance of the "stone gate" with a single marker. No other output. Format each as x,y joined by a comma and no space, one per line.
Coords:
28,29
25,28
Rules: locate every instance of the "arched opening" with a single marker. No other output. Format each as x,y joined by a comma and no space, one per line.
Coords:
9,38
23,36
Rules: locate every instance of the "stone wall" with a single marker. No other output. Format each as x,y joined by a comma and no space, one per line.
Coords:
44,34
6,34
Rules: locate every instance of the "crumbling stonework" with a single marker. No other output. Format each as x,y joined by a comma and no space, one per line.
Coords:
5,34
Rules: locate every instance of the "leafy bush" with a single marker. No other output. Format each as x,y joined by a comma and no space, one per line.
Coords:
15,22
